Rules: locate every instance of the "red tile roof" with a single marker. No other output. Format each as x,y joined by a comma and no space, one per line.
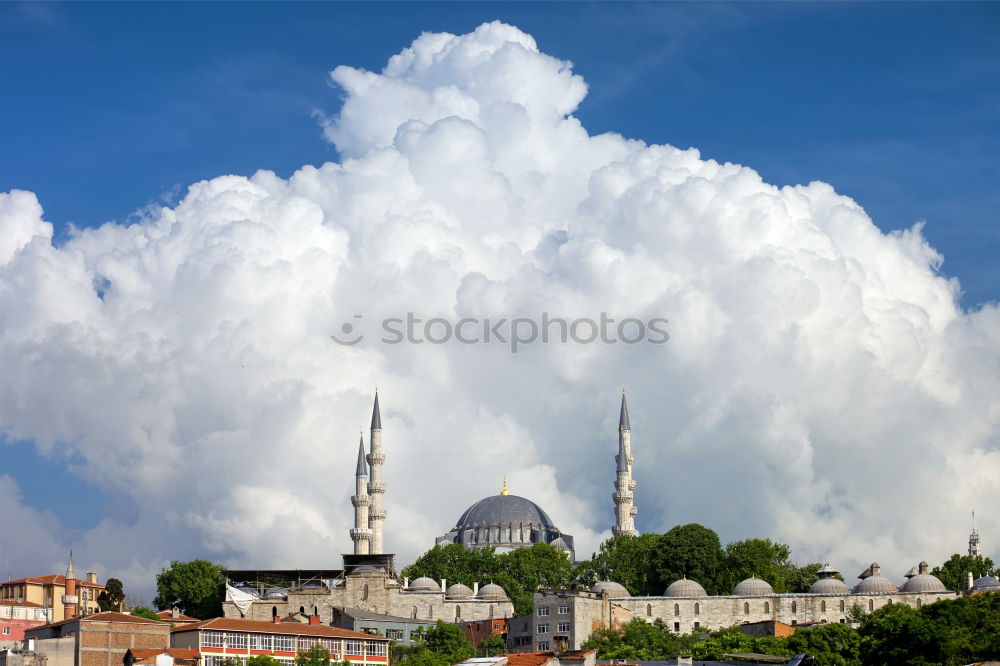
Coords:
51,579
181,617
234,624
107,616
541,658
27,604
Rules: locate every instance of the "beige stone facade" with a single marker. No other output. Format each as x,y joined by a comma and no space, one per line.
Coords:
376,592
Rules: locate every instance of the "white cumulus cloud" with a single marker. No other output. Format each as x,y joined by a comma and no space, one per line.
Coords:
821,384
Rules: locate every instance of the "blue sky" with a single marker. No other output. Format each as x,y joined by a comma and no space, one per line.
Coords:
108,107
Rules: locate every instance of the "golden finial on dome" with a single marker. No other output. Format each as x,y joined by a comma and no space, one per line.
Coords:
504,491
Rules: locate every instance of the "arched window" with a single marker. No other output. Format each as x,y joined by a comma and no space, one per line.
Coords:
822,606
274,611
842,605
795,607
697,609
746,608
491,610
458,612
888,602
364,591
414,612
430,611
871,604
919,603
315,610
767,607
677,609
302,610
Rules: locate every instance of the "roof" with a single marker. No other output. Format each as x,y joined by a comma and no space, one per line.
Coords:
51,579
541,658
376,415
23,604
147,655
623,417
233,624
107,616
498,510
362,469
181,617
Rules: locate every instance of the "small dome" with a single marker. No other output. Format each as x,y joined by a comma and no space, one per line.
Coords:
829,586
614,590
911,573
424,584
491,592
753,587
875,585
985,582
923,583
458,591
685,588
826,570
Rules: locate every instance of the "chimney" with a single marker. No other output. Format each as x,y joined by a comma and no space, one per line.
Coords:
475,589
875,569
922,567
406,583
969,578
91,577
444,584
276,619
314,619
174,612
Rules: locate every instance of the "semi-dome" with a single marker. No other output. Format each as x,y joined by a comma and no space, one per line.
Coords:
491,592
829,586
875,585
614,590
923,583
753,587
424,584
503,510
459,591
685,588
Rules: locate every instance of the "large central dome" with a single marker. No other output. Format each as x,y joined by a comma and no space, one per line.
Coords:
504,510
505,522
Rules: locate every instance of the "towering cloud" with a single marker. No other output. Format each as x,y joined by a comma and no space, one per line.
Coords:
821,384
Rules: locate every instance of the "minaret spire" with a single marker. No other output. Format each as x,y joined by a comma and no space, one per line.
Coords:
362,533
625,510
975,550
376,487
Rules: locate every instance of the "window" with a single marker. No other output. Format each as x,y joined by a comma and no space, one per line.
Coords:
315,610
746,608
767,607
795,607
394,634
6,631
871,604
822,606
697,624
274,611
330,644
697,611
364,591
355,648
430,612
677,626
261,642
841,605
677,609
543,646
283,643
795,621
543,611
375,648
919,603
563,627
211,639
542,628
491,610
458,612
237,641
564,609
649,609
302,610
414,616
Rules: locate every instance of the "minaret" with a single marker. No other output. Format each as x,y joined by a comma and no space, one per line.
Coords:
361,534
70,600
624,485
376,487
975,550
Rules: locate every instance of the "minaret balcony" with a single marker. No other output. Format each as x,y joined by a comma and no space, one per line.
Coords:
70,599
631,485
621,498
361,533
376,514
361,500
376,488
376,458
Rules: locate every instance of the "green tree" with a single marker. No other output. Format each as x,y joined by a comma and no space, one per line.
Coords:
263,660
491,646
832,644
142,611
625,559
760,558
856,613
691,551
731,639
317,655
420,655
955,572
197,587
111,598
448,641
525,570
637,640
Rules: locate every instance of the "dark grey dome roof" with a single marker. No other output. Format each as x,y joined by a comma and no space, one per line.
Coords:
923,583
504,510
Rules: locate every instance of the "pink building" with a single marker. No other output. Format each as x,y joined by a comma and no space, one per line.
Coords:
17,616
